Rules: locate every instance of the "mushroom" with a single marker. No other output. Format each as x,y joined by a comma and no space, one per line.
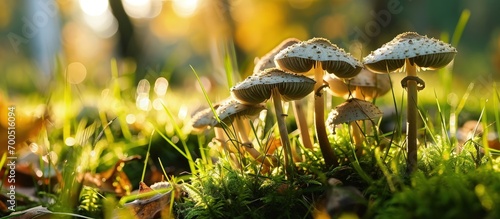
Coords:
366,86
267,61
350,111
280,85
411,51
319,55
205,118
228,112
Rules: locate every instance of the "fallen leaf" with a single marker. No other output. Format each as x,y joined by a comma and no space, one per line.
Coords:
150,207
112,180
26,124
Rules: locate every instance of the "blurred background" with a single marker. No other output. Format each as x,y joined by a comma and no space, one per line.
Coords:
43,40
135,60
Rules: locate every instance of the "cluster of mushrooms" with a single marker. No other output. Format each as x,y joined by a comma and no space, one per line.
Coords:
295,68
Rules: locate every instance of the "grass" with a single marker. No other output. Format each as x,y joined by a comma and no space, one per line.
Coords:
457,176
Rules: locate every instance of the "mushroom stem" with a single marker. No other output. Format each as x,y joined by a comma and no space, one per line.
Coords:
221,137
357,133
247,144
285,141
301,121
411,125
319,118
357,137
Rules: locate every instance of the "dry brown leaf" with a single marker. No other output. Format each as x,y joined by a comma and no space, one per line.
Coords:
27,125
112,180
145,208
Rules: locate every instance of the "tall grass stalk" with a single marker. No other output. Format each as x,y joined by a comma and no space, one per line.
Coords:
117,95
446,73
496,108
147,156
185,153
455,112
484,123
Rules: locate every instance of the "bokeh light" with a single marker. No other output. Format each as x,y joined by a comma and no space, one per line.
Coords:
158,104
143,102
130,119
70,141
94,7
142,8
205,82
76,72
161,86
105,24
185,8
34,147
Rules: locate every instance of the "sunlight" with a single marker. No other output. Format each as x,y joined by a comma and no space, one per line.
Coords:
94,7
142,95
161,86
143,102
76,72
142,8
130,119
185,8
70,141
33,147
105,24
183,112
158,104
39,173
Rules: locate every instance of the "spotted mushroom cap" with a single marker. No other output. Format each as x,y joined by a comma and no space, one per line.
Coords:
369,84
232,108
267,61
204,118
258,87
225,110
302,57
426,53
352,110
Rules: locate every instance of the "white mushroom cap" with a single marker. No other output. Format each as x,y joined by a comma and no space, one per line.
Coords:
267,61
204,118
225,110
353,110
426,53
231,108
301,57
257,88
369,85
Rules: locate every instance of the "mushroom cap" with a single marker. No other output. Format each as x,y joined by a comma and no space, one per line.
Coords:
353,110
369,84
267,61
204,118
225,110
258,87
426,53
303,56
232,108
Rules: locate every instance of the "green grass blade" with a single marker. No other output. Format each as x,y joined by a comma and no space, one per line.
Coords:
459,29
496,107
147,156
172,144
182,138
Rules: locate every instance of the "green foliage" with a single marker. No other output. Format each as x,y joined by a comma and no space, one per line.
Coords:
90,203
450,195
226,193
